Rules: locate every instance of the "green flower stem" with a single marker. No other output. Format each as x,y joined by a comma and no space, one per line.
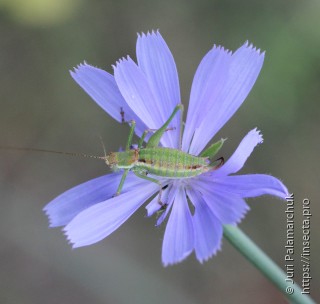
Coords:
261,261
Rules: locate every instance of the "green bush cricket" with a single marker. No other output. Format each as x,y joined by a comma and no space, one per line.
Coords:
153,159
161,161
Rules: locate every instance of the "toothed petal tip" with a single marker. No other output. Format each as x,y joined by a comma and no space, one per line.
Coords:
207,258
176,261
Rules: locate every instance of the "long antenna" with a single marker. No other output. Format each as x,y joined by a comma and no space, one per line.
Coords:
52,151
103,146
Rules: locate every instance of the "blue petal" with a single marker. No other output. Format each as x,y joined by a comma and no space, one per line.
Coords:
178,238
252,185
157,63
67,205
226,205
134,87
153,206
207,228
207,85
239,157
102,88
100,220
244,69
228,208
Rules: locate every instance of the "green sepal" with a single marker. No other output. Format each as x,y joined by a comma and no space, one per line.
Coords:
211,151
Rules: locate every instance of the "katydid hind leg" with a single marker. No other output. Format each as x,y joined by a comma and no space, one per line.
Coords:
156,137
144,134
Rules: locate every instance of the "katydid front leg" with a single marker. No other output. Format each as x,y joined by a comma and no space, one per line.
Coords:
123,178
131,132
126,171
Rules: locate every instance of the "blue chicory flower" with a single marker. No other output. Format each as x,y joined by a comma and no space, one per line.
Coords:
147,92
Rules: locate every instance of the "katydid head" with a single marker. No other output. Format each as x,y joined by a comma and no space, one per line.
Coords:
121,160
111,159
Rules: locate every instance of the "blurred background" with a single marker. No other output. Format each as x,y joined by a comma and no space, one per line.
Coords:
42,107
